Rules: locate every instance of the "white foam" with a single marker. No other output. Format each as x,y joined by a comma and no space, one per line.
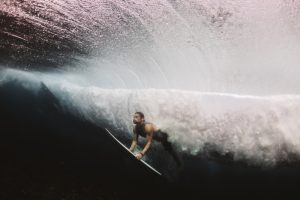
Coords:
259,130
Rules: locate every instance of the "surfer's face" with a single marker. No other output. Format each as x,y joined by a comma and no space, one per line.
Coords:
137,119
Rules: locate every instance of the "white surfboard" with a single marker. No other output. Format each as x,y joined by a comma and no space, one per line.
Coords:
154,170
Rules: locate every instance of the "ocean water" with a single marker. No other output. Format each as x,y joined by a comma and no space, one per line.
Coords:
221,77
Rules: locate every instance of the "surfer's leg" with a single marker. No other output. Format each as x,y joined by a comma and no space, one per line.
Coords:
169,148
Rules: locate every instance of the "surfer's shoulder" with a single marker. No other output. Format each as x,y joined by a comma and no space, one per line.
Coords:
149,126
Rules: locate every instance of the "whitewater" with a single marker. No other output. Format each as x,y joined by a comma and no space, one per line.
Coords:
259,130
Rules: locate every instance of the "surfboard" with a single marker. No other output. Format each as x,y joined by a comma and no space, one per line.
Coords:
131,154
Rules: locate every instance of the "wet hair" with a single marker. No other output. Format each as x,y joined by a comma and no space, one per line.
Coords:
140,114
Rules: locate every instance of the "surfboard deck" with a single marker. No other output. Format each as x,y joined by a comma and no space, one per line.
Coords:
131,154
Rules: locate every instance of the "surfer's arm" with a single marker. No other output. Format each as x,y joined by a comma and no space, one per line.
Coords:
134,141
149,140
133,144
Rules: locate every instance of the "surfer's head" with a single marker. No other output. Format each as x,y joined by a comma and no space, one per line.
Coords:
138,117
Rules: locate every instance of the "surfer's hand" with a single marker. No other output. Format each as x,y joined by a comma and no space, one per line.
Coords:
139,156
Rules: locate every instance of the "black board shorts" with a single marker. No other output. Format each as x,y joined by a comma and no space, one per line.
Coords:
160,136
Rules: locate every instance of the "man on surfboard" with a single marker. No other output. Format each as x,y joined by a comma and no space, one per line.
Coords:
150,132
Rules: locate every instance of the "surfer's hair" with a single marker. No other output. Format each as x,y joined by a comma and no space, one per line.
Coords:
140,114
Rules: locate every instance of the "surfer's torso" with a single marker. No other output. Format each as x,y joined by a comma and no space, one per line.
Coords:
157,133
140,129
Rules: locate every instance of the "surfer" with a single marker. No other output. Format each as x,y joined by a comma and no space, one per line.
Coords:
150,132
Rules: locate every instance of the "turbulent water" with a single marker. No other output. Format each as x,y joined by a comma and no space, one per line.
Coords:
258,130
219,76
